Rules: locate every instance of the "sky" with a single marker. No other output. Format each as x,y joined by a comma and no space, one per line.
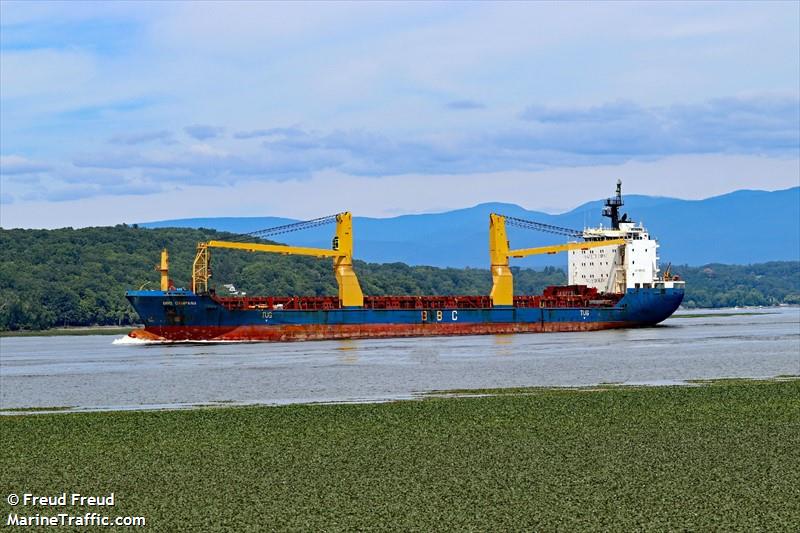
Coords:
139,111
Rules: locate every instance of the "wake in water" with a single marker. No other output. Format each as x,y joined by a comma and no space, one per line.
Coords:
127,340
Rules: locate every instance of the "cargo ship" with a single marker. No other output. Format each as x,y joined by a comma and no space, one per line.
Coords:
614,282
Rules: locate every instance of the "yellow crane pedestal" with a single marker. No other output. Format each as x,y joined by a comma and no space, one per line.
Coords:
163,269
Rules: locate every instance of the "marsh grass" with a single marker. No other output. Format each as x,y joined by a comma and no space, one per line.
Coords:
722,456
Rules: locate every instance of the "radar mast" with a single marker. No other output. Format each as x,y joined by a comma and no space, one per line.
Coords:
611,209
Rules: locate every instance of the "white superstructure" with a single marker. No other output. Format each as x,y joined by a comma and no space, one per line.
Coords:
619,267
616,268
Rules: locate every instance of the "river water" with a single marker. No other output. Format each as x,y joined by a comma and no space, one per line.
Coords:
99,372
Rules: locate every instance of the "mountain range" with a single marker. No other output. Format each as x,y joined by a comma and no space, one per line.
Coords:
741,227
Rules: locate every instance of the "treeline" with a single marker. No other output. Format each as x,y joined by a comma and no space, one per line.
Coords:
717,285
70,277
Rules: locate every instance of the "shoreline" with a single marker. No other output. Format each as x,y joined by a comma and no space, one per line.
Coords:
416,397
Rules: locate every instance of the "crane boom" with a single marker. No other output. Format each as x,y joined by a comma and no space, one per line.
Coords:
499,252
350,293
288,228
273,248
541,226
525,252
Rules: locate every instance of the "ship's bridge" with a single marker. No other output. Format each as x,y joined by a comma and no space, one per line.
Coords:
616,268
627,230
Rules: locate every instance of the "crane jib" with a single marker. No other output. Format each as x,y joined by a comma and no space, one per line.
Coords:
541,226
288,228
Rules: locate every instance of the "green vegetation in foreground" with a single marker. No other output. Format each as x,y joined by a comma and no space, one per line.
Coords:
718,457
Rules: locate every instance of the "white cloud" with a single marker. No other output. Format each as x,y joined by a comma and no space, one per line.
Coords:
553,190
16,164
547,137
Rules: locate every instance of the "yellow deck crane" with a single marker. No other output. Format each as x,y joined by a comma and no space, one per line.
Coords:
500,252
350,294
163,270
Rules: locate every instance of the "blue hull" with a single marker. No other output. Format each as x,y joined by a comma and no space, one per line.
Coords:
183,315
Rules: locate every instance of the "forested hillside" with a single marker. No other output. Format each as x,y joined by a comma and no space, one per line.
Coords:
69,277
718,285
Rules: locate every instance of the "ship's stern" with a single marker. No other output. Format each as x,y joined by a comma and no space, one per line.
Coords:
164,312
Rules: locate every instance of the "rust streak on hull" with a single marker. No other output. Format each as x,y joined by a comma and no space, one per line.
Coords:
306,332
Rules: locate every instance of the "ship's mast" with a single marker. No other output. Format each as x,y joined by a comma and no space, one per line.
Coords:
612,206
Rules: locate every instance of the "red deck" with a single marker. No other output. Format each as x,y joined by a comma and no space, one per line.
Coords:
561,296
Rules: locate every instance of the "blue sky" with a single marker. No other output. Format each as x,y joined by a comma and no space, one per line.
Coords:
127,111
